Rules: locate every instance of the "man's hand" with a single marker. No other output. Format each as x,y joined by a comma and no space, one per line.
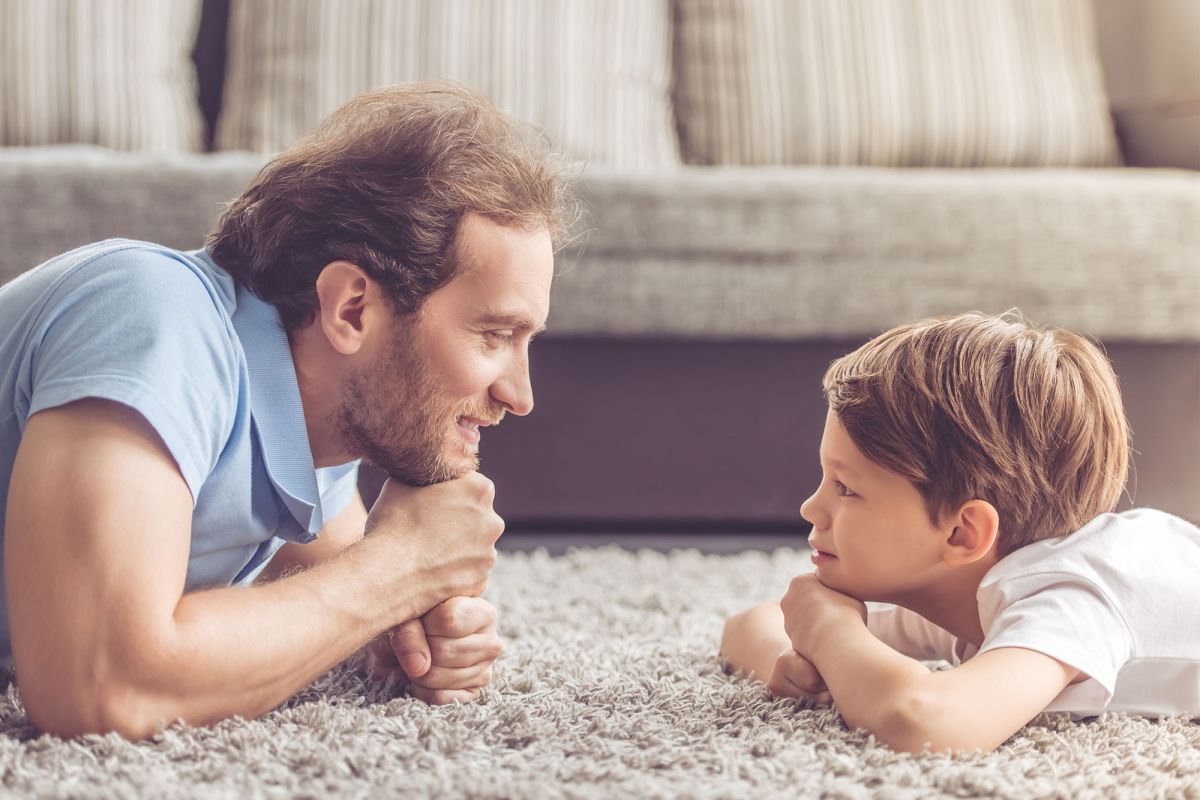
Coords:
794,676
811,609
446,654
449,529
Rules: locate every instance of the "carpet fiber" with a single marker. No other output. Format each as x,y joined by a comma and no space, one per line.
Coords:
609,687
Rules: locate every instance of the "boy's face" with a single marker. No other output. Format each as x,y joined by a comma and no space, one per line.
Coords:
872,537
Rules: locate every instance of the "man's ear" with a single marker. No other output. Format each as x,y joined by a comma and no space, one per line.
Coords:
975,527
343,291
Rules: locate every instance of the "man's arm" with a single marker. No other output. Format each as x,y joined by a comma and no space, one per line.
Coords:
337,534
977,705
96,552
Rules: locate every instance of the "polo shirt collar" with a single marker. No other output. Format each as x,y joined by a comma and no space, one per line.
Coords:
276,410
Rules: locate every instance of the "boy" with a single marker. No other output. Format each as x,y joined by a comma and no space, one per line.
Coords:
970,465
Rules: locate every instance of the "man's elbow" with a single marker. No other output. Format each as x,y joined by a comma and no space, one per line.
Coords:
99,707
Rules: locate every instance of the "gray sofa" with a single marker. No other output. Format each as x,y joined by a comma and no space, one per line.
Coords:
693,315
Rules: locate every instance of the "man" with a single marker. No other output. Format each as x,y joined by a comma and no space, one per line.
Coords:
174,426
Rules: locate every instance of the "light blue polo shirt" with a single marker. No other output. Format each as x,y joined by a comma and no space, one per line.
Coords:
208,365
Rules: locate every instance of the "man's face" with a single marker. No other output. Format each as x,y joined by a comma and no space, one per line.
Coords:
456,366
872,537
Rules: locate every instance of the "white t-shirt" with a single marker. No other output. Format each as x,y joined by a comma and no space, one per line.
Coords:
1119,600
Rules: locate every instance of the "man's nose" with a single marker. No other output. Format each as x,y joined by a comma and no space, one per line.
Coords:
514,389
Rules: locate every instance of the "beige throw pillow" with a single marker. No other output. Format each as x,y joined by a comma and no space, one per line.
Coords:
891,83
594,74
116,73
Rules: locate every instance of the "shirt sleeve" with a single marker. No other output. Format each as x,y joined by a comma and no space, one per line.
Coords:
140,328
910,634
1063,616
337,486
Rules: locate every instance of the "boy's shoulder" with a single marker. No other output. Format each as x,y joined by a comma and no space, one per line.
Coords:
1117,553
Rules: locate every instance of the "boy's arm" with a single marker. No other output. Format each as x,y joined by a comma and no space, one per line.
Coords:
753,640
975,706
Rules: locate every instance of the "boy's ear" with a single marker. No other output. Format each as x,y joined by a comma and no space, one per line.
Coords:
974,532
343,290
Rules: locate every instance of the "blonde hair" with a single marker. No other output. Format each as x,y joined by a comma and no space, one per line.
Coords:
984,407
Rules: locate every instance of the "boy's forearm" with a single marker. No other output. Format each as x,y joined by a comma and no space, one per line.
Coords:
873,685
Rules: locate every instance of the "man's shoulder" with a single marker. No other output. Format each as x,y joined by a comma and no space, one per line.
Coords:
142,271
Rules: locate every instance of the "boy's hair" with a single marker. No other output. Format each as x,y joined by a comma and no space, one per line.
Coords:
984,407
384,183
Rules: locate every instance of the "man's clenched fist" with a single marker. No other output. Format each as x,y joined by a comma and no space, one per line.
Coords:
447,654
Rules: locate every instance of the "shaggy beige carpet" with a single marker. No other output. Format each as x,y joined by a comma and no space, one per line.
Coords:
610,688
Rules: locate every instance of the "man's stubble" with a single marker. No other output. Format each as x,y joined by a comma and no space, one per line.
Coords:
393,418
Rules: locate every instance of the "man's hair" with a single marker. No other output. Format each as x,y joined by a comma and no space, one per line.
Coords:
984,407
384,183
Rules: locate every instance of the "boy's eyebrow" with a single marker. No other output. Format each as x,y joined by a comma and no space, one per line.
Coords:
842,466
519,321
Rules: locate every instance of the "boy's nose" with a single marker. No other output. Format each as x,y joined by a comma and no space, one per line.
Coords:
812,513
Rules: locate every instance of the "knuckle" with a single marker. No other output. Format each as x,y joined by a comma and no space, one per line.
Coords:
494,647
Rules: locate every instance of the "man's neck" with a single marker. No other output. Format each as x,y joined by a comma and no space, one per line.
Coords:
951,602
313,376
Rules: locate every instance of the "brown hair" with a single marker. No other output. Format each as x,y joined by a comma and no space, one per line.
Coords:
384,183
984,407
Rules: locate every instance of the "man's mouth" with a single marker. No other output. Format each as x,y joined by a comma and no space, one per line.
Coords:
469,427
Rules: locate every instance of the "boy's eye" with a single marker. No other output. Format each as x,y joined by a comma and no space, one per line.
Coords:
843,490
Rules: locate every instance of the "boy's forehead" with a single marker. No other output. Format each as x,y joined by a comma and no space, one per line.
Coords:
838,449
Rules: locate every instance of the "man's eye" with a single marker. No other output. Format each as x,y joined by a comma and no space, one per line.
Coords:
843,490
499,336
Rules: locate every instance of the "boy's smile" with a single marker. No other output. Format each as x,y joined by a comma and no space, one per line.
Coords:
872,537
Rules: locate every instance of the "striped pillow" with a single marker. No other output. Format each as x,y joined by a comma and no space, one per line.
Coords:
594,74
891,83
116,73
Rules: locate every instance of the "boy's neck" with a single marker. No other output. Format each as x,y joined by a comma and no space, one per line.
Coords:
951,602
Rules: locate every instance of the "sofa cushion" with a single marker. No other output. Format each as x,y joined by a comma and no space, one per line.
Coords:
904,83
739,253
810,252
117,73
593,73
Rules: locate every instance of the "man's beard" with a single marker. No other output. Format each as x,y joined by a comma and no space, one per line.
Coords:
391,417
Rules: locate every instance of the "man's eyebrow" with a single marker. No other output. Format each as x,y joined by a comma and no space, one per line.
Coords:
519,321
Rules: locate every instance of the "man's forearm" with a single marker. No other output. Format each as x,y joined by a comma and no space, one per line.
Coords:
242,651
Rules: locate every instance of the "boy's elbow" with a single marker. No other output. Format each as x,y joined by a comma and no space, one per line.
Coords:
917,720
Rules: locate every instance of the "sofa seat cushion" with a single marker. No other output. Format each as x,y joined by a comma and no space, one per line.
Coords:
802,252
741,253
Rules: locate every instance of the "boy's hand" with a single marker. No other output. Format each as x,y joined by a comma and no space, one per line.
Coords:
794,676
810,608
